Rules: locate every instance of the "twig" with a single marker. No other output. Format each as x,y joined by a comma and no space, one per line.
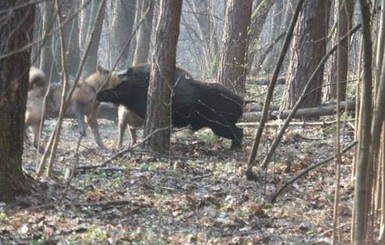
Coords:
200,177
306,170
104,203
122,152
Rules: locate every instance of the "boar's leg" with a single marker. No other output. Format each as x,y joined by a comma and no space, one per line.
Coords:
236,142
230,132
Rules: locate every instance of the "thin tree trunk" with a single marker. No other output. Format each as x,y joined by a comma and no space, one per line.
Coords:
308,48
345,19
158,116
379,154
253,154
143,41
122,27
233,68
204,16
258,19
92,57
71,35
46,56
362,191
85,16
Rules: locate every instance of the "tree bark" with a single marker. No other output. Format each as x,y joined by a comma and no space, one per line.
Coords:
158,115
308,48
143,40
71,36
89,20
233,68
345,25
47,63
251,160
122,27
258,21
363,173
84,17
203,13
15,33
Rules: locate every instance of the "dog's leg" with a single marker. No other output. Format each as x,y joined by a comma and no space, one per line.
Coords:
95,131
26,138
36,132
132,131
91,118
79,113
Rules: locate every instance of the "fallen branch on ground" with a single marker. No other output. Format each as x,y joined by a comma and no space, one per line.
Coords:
308,169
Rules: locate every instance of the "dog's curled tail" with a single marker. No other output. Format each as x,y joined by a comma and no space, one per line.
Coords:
37,78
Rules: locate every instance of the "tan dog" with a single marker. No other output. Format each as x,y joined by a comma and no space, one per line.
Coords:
83,105
37,87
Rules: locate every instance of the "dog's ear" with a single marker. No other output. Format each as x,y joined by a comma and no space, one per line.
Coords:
102,70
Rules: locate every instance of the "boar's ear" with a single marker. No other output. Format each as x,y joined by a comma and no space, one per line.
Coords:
122,75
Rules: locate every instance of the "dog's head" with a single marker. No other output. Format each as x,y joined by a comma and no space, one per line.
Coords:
109,79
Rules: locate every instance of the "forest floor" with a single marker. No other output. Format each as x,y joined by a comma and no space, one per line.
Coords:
196,195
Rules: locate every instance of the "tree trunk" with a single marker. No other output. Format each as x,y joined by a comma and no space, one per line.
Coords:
345,25
308,48
121,30
71,36
363,173
204,16
232,71
143,40
158,116
277,31
249,173
47,63
88,23
259,17
15,33
378,131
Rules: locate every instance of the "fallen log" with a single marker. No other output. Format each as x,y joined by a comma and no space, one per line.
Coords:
278,123
110,112
266,81
304,112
